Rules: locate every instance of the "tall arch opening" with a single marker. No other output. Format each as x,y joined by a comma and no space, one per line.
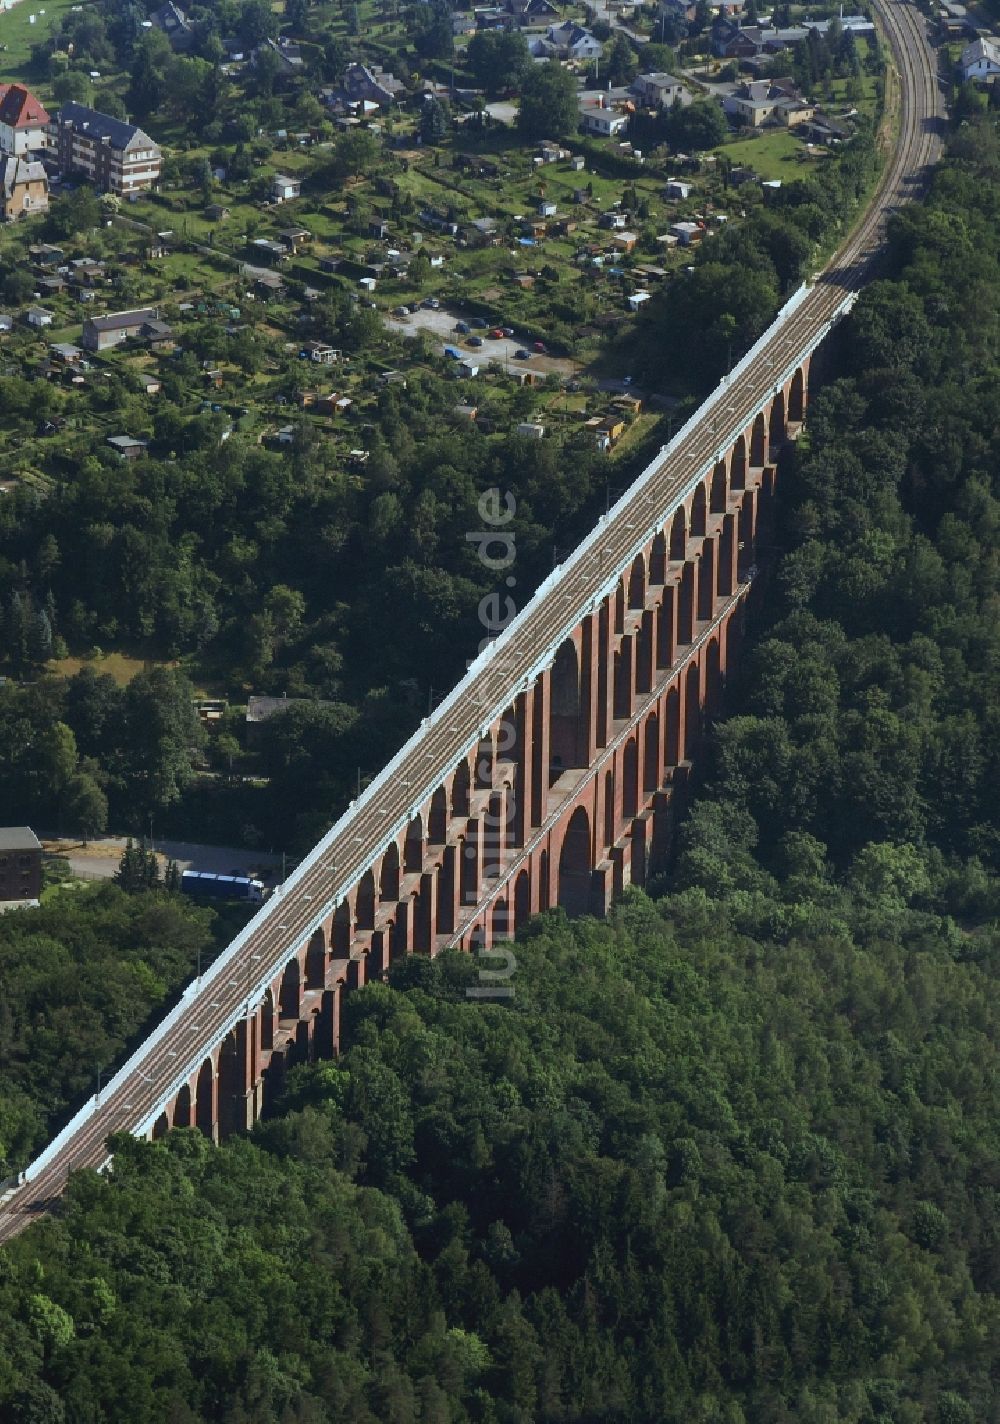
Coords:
620,607
776,425
364,902
460,788
437,820
484,763
630,779
316,961
637,584
699,522
651,755
500,925
267,1022
658,559
575,865
161,1127
543,880
290,993
342,930
609,809
797,397
678,536
672,741
624,680
738,465
758,442
232,1105
389,873
565,730
422,910
713,678
205,1100
413,847
692,711
182,1108
522,899
717,504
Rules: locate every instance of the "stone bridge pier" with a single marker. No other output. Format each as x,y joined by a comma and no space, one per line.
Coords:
568,795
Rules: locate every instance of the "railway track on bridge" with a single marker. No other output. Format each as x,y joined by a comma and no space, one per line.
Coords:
214,1004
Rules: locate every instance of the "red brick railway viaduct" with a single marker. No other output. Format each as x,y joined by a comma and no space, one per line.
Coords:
566,799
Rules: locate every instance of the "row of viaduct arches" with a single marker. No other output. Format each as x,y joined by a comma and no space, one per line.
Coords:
566,798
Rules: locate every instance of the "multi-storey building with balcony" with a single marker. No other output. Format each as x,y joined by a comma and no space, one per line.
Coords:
116,156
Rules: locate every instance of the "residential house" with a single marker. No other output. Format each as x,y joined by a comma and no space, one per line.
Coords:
532,12
24,123
572,41
684,10
265,282
606,123
215,212
625,241
127,447
687,233
731,41
612,426
294,238
761,101
20,866
24,188
65,352
171,21
142,324
268,250
114,155
677,188
659,91
364,85
43,254
321,353
980,60
285,188
637,300
38,317
530,430
286,52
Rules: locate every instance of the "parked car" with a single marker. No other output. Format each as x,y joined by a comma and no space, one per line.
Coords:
475,341
540,346
522,355
462,327
507,330
479,323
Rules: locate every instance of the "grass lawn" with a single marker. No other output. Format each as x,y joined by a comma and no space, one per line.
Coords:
117,665
775,154
18,34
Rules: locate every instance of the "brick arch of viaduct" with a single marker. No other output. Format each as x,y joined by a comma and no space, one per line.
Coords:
564,800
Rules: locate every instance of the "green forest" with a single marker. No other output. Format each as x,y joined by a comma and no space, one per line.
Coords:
730,1157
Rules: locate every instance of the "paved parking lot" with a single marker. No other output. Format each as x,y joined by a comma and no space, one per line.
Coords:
441,324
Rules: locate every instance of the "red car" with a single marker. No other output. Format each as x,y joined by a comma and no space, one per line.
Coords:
496,333
540,346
